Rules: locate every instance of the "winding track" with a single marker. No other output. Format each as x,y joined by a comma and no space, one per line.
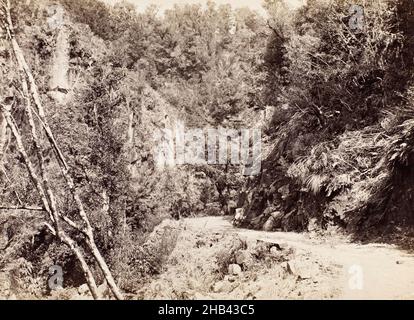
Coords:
386,272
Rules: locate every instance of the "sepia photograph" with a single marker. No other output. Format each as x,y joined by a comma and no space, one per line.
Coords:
206,150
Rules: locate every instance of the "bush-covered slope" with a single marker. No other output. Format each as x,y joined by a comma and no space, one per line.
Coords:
341,127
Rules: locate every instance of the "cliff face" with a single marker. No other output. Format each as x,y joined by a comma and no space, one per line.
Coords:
360,182
59,83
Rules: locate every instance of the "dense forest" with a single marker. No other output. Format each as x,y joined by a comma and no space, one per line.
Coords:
84,86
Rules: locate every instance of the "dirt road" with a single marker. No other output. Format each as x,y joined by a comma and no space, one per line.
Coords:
328,268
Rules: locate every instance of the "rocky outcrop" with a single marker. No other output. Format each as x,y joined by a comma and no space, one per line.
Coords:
59,84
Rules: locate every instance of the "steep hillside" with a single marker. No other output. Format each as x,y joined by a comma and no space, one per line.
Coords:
103,81
95,100
340,134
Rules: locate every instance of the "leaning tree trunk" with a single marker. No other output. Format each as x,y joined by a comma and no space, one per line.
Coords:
50,207
43,187
3,137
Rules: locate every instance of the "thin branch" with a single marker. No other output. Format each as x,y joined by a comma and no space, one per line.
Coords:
29,208
15,192
29,84
61,234
277,32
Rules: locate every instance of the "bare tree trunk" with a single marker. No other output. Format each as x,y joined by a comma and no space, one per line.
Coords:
88,231
47,196
90,280
54,216
65,171
61,159
3,137
60,232
28,163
